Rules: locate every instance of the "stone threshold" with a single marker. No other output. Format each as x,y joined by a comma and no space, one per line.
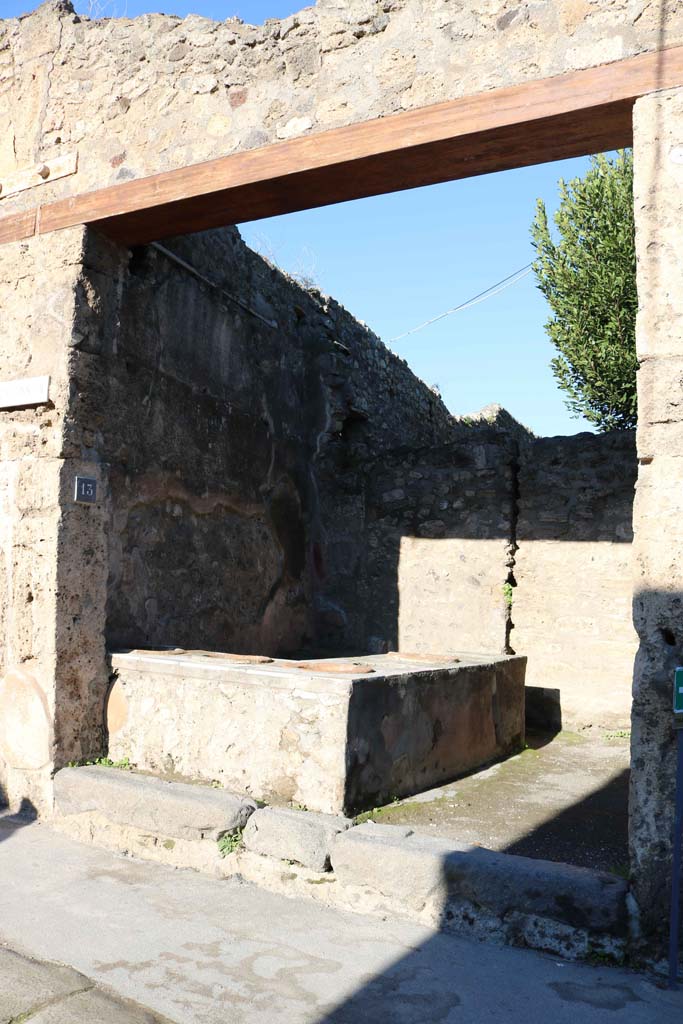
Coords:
389,870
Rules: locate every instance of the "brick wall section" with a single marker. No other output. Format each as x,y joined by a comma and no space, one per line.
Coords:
572,603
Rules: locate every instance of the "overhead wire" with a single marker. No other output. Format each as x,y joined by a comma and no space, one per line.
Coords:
488,293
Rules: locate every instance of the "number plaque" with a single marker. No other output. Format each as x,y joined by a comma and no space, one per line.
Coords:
85,490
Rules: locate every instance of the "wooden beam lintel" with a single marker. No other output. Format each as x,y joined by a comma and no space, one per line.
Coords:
574,114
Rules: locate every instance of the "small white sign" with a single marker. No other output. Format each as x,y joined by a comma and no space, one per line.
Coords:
27,391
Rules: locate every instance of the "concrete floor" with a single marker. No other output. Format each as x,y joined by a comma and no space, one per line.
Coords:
201,951
565,798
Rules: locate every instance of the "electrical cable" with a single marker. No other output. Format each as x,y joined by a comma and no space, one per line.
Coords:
488,293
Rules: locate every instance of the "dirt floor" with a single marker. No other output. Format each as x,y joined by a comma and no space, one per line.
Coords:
564,798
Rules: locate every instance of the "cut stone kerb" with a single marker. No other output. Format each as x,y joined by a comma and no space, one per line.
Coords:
176,810
329,741
300,836
419,871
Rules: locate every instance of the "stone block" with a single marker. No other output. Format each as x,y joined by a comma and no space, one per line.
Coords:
417,870
302,836
175,809
335,736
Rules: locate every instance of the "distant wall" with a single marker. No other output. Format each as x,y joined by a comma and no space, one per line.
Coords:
421,542
419,546
572,603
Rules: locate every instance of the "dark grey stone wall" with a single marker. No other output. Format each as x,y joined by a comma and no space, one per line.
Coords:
212,423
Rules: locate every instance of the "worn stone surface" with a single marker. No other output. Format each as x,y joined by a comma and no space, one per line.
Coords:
417,870
52,648
658,542
95,1005
288,834
571,606
27,984
564,799
164,808
332,742
202,952
49,993
201,89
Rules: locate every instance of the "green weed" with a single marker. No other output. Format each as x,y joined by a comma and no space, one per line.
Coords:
103,762
229,842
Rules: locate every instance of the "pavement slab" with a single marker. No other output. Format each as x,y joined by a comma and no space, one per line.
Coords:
48,993
201,951
26,984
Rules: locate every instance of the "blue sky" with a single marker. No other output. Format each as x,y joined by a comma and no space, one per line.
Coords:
397,260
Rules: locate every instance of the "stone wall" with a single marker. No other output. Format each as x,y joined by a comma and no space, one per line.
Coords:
658,538
209,420
51,646
419,546
423,542
572,601
150,94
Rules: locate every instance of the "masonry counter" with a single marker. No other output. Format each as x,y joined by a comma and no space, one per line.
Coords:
338,735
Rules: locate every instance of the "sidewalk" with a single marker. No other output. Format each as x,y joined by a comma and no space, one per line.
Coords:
46,993
198,951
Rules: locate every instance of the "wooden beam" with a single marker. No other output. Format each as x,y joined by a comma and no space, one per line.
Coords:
18,226
569,115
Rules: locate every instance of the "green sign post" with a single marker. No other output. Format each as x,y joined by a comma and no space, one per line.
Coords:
678,691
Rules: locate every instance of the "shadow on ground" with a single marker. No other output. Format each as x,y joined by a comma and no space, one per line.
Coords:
11,821
591,833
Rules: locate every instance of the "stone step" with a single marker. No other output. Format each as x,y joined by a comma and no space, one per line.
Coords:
369,868
173,810
416,870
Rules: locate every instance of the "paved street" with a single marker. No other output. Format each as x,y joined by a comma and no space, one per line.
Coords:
197,951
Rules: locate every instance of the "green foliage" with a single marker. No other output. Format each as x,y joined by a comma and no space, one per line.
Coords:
361,819
588,277
507,594
103,762
229,842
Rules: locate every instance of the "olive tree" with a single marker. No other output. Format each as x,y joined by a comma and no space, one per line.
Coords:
588,276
